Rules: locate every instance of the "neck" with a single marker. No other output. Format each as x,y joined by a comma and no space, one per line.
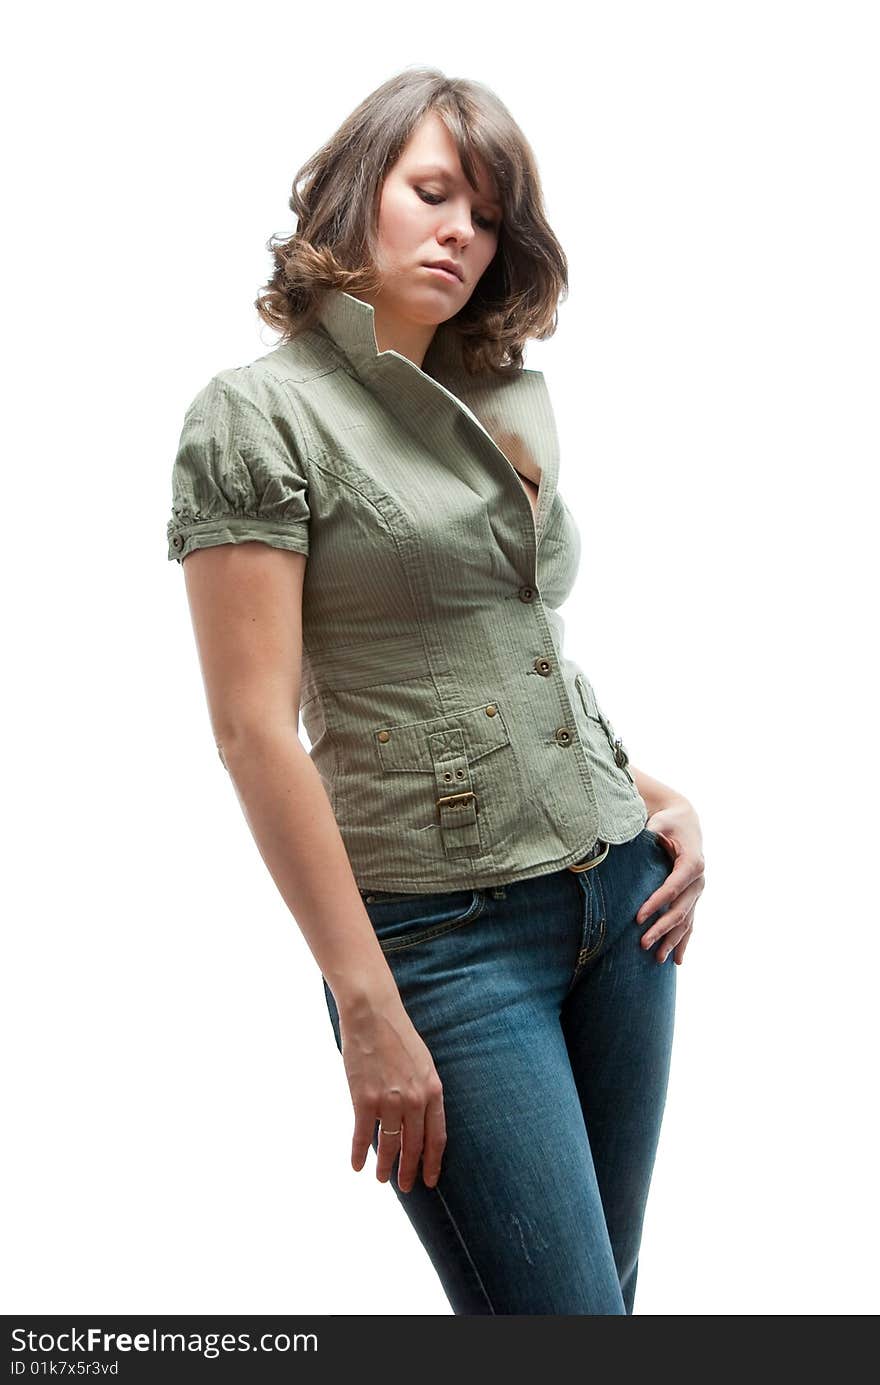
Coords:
410,339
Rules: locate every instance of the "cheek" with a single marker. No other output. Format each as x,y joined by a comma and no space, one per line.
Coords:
400,224
483,264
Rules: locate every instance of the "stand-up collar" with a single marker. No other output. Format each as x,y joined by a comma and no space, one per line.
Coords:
513,412
352,324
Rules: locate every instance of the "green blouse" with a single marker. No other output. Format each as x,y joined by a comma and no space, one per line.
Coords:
458,745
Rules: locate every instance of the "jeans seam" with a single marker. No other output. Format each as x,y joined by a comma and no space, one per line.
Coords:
584,885
586,953
602,916
454,1225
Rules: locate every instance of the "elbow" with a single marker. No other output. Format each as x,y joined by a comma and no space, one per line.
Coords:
243,738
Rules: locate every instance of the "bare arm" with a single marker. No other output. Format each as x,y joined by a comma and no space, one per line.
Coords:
655,794
246,603
246,606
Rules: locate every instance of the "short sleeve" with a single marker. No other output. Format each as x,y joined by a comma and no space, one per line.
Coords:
239,473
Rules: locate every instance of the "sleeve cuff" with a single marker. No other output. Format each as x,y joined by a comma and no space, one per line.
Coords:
184,538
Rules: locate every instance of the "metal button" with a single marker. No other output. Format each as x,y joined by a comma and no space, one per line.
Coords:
491,711
563,735
384,736
526,594
544,667
620,756
177,541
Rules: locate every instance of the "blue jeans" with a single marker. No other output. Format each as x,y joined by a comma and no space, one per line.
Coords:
551,1031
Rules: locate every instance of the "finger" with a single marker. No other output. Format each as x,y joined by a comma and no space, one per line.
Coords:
435,1139
679,878
672,940
681,945
673,916
390,1139
364,1128
679,940
411,1148
678,955
669,932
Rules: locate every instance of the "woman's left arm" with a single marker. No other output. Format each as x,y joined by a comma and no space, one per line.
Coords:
674,820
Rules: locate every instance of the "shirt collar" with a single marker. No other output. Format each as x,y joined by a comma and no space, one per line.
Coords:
513,412
351,323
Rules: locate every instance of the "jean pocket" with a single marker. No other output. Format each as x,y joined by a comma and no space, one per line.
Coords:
658,843
405,920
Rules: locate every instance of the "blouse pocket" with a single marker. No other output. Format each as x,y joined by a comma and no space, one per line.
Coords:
457,773
593,710
407,920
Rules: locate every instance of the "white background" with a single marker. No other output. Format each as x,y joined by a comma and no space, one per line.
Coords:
179,1124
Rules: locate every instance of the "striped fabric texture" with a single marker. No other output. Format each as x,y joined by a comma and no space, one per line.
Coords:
458,745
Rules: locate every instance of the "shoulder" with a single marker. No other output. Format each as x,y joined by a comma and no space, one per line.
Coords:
240,471
268,387
292,363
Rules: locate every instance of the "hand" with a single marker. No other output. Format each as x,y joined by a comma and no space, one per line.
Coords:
393,1080
678,827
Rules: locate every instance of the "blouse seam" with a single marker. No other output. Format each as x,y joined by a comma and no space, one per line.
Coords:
309,447
241,515
304,454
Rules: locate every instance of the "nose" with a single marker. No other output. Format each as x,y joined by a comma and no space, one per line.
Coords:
458,225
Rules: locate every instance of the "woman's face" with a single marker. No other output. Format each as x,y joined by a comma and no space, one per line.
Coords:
429,212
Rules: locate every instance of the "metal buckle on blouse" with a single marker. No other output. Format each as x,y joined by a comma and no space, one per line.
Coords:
457,798
594,859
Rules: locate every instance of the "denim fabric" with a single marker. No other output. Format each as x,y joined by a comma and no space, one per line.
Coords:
551,1030
457,742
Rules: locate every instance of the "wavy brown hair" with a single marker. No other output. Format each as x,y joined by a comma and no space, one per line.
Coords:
336,197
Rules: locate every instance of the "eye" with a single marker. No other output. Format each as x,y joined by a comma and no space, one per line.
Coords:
434,199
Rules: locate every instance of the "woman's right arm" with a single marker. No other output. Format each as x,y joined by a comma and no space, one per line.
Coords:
246,606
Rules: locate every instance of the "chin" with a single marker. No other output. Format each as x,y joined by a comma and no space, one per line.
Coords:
424,309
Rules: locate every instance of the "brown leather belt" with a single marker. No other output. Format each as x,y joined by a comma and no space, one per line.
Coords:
598,851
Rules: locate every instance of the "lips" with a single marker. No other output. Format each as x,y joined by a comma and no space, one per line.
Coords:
447,268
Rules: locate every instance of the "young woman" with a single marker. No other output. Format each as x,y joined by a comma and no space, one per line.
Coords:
372,536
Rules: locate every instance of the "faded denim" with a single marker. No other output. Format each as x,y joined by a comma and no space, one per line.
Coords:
551,1029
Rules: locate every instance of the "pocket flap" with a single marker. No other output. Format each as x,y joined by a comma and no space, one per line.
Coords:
409,748
588,697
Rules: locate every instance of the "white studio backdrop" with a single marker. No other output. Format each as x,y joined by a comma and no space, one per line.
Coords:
179,1121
